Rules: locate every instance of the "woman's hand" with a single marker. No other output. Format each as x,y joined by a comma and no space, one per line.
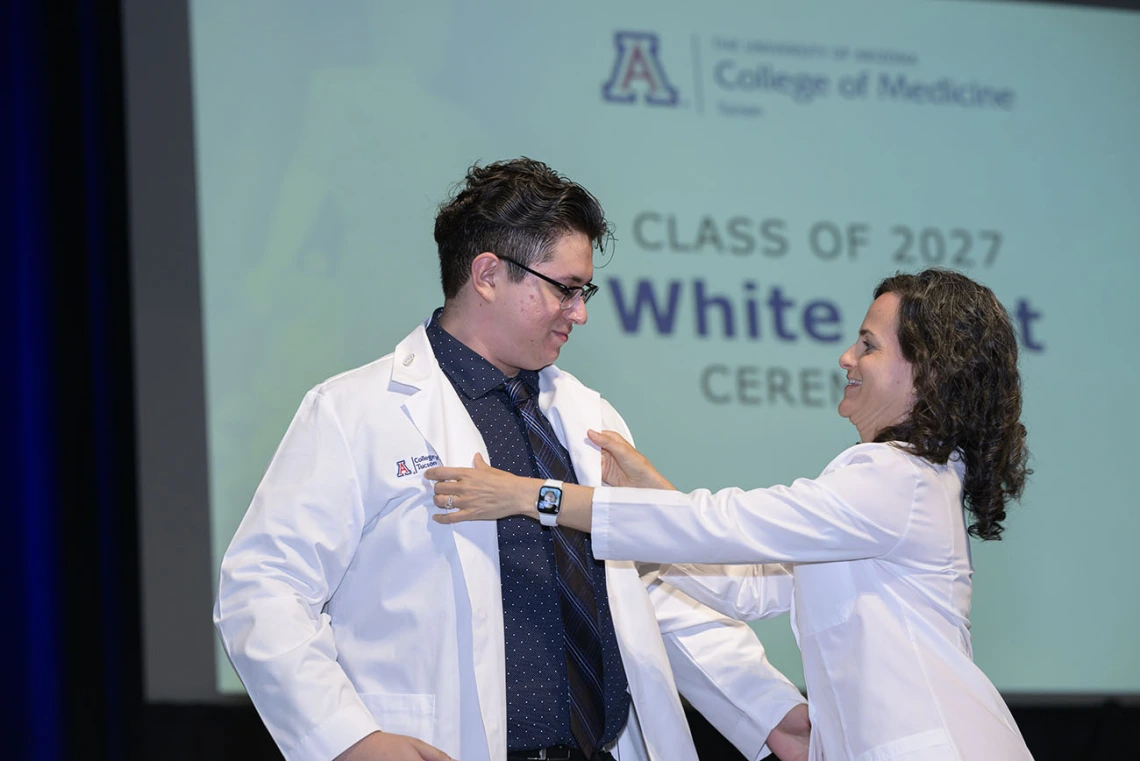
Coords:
622,465
481,493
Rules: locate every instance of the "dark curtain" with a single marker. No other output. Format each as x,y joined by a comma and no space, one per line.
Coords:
73,659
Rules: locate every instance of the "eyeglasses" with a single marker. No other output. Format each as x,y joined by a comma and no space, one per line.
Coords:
569,293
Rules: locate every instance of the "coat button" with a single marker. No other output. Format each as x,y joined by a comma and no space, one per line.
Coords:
408,359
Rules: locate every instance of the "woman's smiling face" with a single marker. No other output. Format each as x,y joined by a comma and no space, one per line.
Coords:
880,383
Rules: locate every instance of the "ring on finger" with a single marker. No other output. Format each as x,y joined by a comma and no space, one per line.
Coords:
449,498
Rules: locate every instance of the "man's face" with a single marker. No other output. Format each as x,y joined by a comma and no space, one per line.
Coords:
531,326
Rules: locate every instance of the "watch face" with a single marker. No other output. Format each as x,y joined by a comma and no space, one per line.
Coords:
549,499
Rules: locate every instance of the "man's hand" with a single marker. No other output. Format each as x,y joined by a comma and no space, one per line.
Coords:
789,740
622,465
384,746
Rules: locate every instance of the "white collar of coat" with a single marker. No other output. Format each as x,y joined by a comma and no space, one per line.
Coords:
571,407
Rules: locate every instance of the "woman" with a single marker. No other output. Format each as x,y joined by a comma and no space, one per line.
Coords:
873,555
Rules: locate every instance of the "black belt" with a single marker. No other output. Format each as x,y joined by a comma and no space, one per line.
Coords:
556,753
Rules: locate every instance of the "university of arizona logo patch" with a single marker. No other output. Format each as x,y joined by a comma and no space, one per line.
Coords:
420,462
638,71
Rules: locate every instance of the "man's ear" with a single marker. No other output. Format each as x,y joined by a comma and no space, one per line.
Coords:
487,271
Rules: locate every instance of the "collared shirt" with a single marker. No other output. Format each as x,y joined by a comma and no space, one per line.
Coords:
538,695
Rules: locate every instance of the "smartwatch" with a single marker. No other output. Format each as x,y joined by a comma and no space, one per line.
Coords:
549,502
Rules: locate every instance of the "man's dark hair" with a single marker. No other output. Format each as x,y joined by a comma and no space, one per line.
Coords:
963,350
518,208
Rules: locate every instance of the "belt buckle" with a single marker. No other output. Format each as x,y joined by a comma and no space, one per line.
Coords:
563,754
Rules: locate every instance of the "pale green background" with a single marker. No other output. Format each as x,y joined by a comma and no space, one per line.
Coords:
327,133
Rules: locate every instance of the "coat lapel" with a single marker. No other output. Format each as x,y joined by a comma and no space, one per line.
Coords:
436,410
573,409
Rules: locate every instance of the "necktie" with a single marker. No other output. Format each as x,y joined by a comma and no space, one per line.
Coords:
573,561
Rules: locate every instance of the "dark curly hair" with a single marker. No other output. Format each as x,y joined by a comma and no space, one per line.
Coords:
963,350
517,208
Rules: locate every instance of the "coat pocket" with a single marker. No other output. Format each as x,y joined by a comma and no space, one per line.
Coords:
824,596
407,714
924,746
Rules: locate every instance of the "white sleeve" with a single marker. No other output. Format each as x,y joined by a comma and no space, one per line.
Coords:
860,508
743,592
722,670
291,550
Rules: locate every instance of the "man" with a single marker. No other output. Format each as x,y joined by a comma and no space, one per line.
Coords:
364,630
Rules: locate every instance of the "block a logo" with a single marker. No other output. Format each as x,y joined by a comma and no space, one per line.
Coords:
638,71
